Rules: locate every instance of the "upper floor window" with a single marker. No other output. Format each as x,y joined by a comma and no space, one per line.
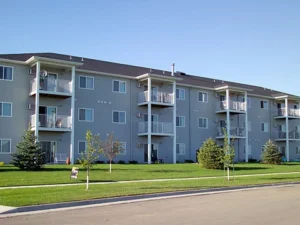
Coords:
81,147
6,73
265,127
298,150
5,146
119,117
86,82
5,109
264,104
180,121
202,122
86,115
180,94
180,149
202,96
119,86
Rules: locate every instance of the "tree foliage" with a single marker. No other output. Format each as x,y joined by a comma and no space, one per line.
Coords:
271,155
28,155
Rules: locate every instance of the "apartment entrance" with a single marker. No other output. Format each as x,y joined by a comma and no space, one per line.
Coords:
49,148
47,115
48,82
154,153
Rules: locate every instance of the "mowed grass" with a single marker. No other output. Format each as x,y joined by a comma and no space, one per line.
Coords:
36,196
60,174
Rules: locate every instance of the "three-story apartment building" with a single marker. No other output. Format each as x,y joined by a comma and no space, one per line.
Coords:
157,115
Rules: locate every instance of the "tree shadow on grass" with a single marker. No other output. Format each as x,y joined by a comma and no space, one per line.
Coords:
98,181
167,171
249,168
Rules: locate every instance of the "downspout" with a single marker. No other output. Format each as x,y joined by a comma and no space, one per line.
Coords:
131,122
190,124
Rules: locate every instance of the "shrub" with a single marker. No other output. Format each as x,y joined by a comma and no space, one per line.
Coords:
133,162
252,160
1,163
188,161
271,155
121,162
100,162
211,155
112,162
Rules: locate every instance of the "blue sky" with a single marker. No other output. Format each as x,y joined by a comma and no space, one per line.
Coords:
250,41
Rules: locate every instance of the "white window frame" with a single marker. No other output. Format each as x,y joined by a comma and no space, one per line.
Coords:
12,73
179,90
119,117
248,102
180,120
125,148
119,86
206,122
85,119
297,150
11,109
78,146
86,88
267,103
180,144
5,139
203,92
268,130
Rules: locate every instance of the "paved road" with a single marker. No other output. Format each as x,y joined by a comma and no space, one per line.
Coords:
269,206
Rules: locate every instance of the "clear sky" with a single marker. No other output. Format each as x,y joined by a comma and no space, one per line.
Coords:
249,41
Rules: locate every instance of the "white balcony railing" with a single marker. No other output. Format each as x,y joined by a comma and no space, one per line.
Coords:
52,85
159,97
156,127
291,112
54,121
292,135
233,105
234,131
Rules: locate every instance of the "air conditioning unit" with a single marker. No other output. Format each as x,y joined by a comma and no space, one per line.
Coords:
139,115
31,106
275,125
217,95
139,84
139,145
32,71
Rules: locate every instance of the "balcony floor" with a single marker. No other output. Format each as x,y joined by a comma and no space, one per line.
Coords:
53,129
235,137
284,139
289,117
159,104
52,94
231,111
156,134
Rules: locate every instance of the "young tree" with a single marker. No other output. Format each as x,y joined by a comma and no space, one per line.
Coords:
111,148
28,155
91,154
229,153
271,155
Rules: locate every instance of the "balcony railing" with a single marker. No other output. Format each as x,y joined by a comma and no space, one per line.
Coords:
52,85
53,121
234,131
156,97
156,127
233,105
289,112
283,135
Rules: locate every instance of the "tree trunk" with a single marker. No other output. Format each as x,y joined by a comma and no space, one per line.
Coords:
87,179
228,176
110,166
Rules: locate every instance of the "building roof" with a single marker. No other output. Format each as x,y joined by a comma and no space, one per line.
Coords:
134,71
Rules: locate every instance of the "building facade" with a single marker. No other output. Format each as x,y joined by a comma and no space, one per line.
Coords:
156,115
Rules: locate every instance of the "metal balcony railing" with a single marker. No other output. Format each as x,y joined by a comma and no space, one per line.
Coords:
52,85
233,105
234,131
283,135
156,127
289,112
53,121
156,97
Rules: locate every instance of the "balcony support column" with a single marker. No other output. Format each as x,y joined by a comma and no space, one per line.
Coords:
174,122
37,99
228,115
287,130
72,116
246,128
149,120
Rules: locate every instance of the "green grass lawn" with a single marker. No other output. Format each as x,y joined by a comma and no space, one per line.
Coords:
35,196
60,174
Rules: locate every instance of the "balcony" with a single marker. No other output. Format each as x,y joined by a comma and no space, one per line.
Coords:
282,135
291,113
234,107
58,87
157,129
157,98
59,123
235,132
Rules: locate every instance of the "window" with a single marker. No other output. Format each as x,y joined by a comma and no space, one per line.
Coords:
222,123
119,117
6,73
202,96
298,150
248,102
180,121
86,82
295,106
265,127
5,146
203,122
180,94
86,115
249,125
5,109
119,86
264,104
81,147
180,149
262,148
123,148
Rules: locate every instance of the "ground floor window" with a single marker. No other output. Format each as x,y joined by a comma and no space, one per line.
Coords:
180,149
5,146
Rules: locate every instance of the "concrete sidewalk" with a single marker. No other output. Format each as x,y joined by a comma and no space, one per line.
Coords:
141,181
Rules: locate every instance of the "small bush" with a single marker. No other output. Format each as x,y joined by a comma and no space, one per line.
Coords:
1,163
100,162
121,162
252,160
211,155
112,162
271,155
133,162
188,161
